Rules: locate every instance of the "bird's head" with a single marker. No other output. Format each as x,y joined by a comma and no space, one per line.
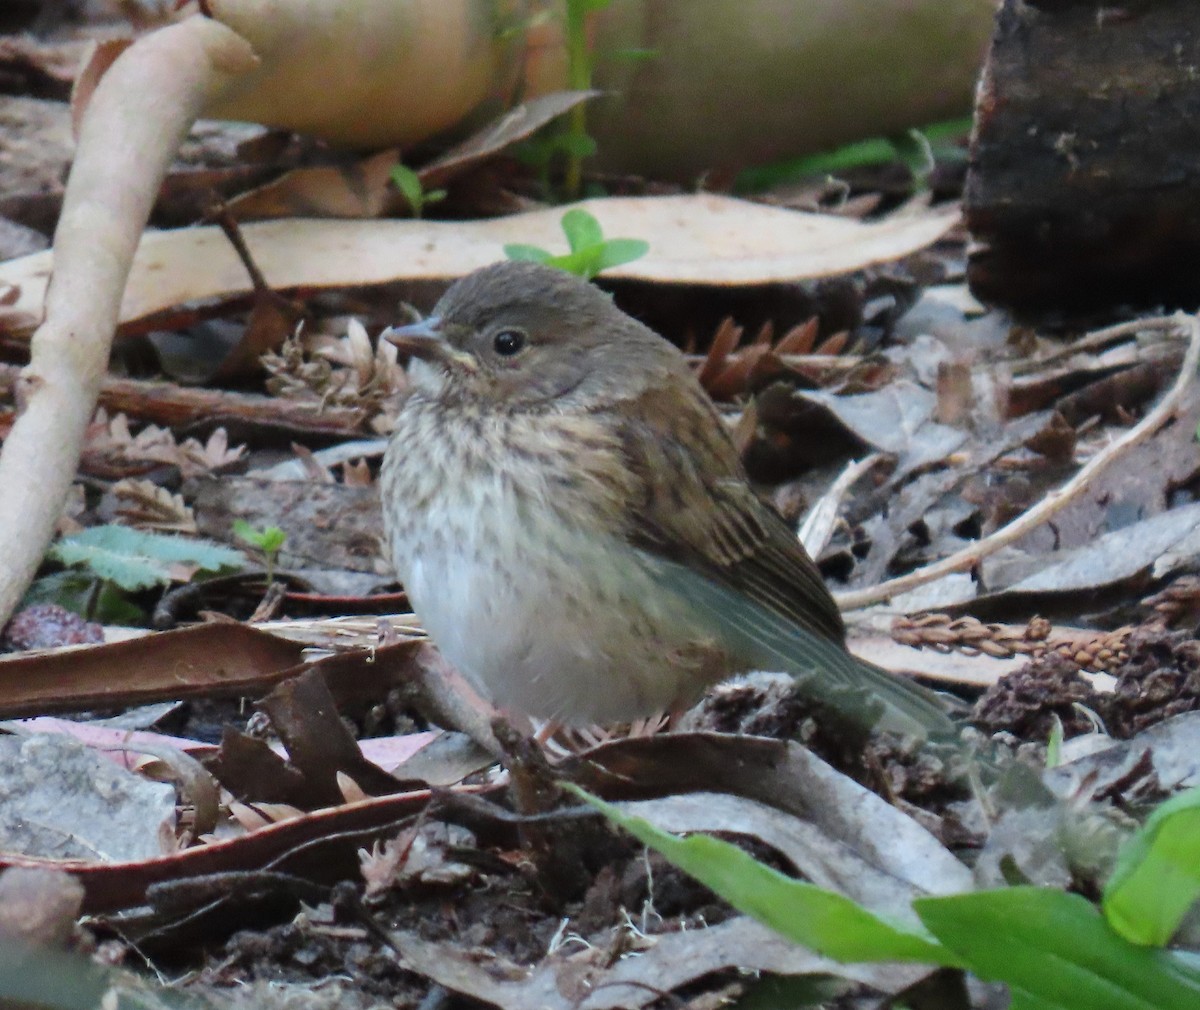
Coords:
523,336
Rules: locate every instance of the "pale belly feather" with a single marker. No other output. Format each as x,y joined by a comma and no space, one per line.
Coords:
548,617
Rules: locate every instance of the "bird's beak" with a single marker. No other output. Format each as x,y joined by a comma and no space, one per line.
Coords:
421,340
427,340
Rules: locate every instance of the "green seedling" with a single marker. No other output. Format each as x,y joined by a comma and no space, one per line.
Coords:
409,184
572,142
268,541
580,65
917,149
590,252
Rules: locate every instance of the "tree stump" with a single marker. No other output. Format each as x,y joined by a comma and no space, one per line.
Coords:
1083,190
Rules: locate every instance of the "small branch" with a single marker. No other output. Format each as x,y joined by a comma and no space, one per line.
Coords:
819,524
137,117
1056,501
1098,339
185,408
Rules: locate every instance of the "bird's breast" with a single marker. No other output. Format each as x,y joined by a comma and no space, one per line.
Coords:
505,533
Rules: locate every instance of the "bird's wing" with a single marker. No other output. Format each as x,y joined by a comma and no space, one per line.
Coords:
743,570
693,505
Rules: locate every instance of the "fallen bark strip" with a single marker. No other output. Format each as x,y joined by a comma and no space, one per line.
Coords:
180,407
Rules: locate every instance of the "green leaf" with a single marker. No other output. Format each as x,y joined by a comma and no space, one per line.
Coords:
616,251
1056,952
269,540
1055,742
134,559
583,263
824,921
85,595
409,184
582,230
1157,876
860,154
634,54
527,253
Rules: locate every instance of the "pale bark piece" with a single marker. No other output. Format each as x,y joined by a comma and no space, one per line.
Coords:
694,239
64,801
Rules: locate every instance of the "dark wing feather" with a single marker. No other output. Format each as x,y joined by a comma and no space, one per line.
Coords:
737,561
695,507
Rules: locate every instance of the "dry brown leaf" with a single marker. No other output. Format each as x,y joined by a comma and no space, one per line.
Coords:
351,791
114,440
146,505
260,815
800,339
724,342
215,454
835,344
342,371
356,473
729,371
360,189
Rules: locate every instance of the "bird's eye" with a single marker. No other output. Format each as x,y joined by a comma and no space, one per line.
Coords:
508,342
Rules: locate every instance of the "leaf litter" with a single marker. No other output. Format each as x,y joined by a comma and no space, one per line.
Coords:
361,761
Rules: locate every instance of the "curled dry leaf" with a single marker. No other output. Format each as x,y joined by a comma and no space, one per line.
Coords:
146,505
114,440
340,371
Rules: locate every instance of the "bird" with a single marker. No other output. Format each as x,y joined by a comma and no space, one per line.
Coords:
573,525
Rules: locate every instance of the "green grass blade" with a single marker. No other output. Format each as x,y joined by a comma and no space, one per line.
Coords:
824,921
1157,876
1055,951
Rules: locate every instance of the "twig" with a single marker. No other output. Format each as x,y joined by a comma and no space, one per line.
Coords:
819,524
1102,338
1055,501
183,407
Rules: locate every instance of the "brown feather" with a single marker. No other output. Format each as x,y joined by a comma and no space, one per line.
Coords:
693,505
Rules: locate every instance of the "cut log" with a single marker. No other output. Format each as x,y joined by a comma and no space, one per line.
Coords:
1084,184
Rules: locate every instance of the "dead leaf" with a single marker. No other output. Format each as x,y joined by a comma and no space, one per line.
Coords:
358,189
147,505
515,125
694,239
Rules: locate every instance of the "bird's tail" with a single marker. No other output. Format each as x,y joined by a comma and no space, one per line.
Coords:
828,672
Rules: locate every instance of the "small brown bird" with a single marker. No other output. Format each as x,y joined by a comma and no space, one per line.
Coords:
573,524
